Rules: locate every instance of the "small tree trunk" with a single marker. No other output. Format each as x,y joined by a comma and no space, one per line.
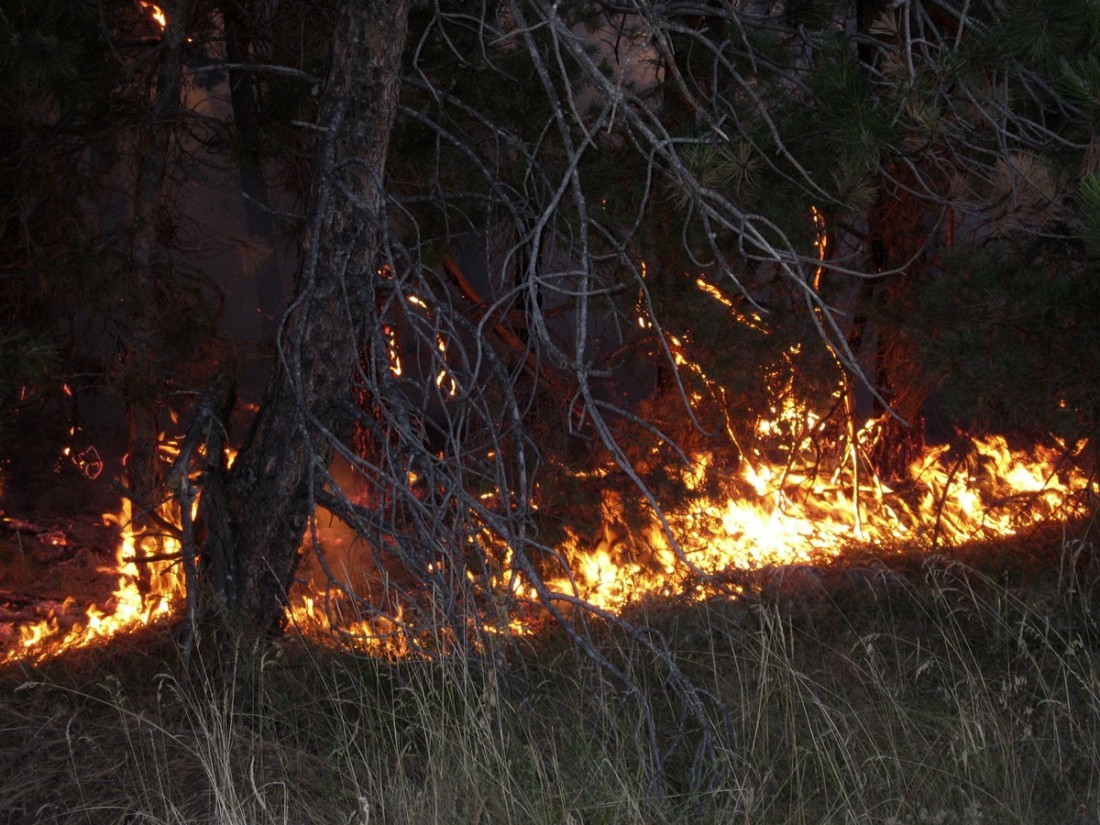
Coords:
142,374
899,237
262,263
271,489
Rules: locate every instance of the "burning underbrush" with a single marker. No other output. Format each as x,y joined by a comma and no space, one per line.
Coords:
908,653
789,507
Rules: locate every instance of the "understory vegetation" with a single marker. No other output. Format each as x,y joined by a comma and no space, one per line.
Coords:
894,688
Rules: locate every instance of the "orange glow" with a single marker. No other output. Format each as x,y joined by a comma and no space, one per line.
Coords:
790,513
776,509
139,597
444,375
821,244
392,351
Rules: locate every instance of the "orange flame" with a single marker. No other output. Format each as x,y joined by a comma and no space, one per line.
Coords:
128,608
156,12
776,508
780,514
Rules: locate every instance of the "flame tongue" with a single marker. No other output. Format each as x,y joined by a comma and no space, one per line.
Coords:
156,13
130,606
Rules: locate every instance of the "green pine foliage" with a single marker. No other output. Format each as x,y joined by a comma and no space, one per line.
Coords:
26,360
1041,34
75,86
867,133
1008,338
484,148
812,14
1080,83
781,115
48,49
984,124
846,132
54,85
1089,197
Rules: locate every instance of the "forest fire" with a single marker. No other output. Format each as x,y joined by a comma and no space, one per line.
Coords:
911,256
129,607
792,513
773,511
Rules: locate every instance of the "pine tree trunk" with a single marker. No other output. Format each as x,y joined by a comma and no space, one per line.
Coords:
899,236
142,376
270,490
262,263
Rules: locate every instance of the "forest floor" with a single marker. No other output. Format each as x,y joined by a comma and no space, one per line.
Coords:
892,686
924,690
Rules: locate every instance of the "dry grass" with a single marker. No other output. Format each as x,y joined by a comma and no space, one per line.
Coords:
927,692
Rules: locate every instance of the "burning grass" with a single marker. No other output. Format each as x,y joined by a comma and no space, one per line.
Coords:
909,691
788,507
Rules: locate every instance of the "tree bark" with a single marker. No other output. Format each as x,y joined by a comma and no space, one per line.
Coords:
270,492
899,235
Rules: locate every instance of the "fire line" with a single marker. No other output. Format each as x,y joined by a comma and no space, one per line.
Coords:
771,513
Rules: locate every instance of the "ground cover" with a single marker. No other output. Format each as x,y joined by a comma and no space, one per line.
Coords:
893,687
